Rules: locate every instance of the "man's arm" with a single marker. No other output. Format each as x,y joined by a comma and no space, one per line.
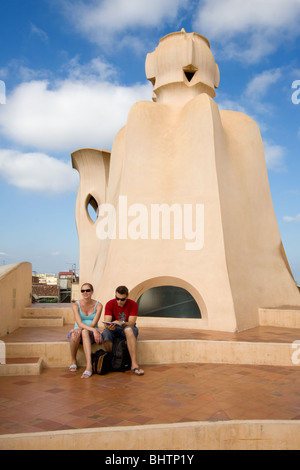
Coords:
132,315
108,317
131,321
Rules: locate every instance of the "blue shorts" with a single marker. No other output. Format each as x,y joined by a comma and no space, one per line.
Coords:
109,335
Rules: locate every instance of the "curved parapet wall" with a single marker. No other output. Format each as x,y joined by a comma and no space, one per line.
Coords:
15,295
93,168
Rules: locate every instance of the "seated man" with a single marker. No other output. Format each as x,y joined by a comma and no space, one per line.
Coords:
123,313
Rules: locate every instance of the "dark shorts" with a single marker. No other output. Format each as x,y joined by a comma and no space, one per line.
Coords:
109,335
91,336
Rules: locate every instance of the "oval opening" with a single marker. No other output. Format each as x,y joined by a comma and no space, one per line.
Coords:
168,302
92,208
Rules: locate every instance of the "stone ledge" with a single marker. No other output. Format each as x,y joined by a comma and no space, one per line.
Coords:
57,354
21,367
286,317
34,322
222,435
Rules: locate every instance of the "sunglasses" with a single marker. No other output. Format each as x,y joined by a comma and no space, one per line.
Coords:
120,300
85,290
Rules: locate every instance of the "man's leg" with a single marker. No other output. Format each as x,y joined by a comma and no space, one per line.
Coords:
131,344
108,346
108,339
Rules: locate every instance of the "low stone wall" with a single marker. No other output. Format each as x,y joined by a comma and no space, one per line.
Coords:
222,435
15,295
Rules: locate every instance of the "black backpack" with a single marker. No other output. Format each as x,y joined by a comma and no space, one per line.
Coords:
101,362
120,361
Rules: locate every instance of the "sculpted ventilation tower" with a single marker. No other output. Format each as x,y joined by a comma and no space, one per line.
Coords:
184,199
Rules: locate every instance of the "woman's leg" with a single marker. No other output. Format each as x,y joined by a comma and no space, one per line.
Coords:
74,344
87,347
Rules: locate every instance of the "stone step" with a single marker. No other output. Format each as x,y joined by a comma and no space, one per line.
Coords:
45,321
57,354
283,317
53,354
20,366
50,310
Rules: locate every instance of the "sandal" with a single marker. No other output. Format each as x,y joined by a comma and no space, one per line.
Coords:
73,368
136,371
87,373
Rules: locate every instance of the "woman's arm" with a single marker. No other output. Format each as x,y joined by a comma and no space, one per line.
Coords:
97,316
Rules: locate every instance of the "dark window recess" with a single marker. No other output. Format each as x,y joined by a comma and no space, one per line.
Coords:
169,302
189,75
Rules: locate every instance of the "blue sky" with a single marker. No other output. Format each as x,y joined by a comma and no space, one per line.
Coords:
73,69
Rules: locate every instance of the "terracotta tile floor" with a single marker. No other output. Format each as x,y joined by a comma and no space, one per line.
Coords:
58,399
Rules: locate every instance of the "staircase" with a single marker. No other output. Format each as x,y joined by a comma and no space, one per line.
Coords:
43,315
28,357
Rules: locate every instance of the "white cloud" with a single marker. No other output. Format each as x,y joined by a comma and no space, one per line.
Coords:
102,20
37,171
69,114
97,69
230,17
275,156
292,219
225,103
257,89
2,92
63,115
259,25
17,69
39,32
260,85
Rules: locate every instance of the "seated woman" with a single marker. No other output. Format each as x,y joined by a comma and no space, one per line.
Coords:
87,314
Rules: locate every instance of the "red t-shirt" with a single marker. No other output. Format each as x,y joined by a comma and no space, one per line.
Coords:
130,309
